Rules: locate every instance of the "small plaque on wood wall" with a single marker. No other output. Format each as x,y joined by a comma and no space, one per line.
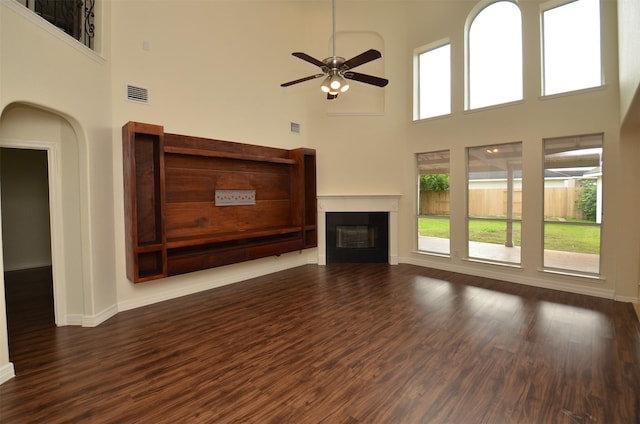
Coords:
235,197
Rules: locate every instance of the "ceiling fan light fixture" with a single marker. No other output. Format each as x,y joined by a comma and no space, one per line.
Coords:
335,83
345,85
325,87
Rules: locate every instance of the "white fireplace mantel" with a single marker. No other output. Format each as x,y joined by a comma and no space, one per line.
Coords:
358,203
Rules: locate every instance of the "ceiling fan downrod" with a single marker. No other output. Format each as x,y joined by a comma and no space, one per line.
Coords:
333,38
334,83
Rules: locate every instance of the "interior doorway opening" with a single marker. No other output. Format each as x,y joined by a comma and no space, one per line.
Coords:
26,240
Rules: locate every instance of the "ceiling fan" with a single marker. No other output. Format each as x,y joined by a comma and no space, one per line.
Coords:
338,70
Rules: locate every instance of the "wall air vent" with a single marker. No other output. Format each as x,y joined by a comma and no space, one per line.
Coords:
137,94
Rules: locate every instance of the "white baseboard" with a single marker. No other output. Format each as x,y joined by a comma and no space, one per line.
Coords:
71,319
96,320
7,372
512,277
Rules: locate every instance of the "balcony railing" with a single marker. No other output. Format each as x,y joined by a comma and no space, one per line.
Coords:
75,17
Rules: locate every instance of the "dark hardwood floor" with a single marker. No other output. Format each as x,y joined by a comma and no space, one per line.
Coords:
29,300
337,344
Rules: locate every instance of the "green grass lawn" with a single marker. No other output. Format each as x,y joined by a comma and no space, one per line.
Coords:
558,236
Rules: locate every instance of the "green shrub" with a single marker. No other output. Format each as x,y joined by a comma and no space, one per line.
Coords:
434,182
587,202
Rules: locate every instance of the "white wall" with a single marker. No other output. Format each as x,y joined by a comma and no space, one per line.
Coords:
629,45
629,40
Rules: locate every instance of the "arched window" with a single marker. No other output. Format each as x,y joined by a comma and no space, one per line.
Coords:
494,55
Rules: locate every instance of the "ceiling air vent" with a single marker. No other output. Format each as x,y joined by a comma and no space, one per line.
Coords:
137,94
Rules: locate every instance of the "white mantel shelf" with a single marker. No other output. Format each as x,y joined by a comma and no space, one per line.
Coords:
358,203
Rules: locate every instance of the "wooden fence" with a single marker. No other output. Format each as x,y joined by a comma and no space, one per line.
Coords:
559,202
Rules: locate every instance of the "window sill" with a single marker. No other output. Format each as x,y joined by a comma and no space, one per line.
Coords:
433,254
494,263
432,118
573,92
573,274
497,106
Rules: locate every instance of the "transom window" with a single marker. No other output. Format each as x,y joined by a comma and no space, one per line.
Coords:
433,82
571,47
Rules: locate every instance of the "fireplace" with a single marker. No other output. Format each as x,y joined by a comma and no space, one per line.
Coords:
357,237
356,234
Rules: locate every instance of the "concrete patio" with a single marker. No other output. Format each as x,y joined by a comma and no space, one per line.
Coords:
569,261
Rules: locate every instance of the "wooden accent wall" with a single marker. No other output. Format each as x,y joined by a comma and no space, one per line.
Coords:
173,225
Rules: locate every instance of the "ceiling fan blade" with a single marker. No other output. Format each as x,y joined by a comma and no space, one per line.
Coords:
309,59
369,79
310,77
362,58
331,96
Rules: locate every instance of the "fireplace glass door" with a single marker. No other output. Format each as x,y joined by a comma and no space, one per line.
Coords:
357,237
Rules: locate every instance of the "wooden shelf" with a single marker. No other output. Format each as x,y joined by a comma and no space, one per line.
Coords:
143,167
142,248
226,155
225,237
173,225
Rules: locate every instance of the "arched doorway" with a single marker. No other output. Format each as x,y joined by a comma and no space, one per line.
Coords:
31,128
